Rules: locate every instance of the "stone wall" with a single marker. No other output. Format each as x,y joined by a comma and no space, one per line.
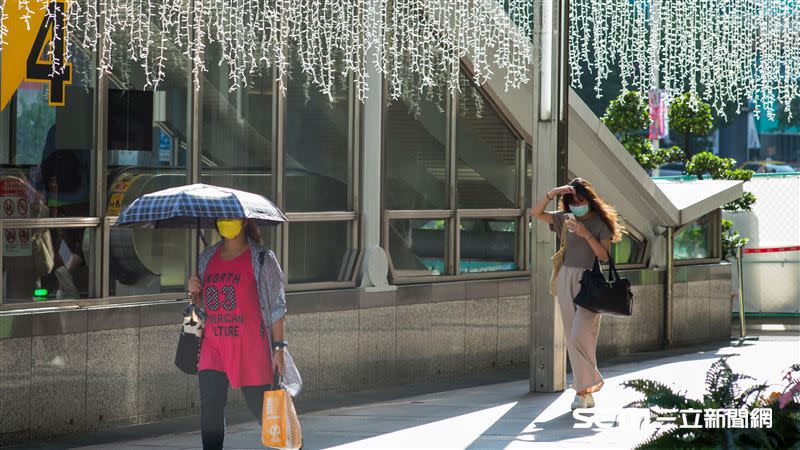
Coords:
88,369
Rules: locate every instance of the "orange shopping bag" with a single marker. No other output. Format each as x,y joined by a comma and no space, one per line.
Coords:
280,428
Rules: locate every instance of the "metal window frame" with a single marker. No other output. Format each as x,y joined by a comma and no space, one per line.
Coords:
352,262
51,223
639,257
453,215
99,287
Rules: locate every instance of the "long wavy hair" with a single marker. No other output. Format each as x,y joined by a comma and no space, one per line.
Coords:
597,204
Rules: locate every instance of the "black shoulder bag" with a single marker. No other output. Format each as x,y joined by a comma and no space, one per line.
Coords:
612,296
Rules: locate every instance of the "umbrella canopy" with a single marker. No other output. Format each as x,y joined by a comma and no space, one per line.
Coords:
198,205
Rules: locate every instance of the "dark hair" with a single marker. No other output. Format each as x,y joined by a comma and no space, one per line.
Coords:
607,213
253,233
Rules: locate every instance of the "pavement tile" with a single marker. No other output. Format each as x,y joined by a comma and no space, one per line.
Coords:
504,415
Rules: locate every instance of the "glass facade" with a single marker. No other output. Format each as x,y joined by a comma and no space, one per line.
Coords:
698,240
318,158
486,153
453,193
46,182
62,187
629,250
147,149
456,178
237,142
415,151
488,245
418,246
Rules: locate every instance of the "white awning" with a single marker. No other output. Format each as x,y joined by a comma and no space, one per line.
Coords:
695,198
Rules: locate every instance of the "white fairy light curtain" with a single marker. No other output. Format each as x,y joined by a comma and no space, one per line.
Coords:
423,39
721,50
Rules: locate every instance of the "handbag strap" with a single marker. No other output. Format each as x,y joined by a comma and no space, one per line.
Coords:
563,235
612,269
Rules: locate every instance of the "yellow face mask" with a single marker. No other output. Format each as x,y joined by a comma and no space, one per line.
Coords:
229,228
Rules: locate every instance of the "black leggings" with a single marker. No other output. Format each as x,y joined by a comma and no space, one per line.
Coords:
213,396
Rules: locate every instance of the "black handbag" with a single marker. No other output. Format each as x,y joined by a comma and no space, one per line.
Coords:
612,296
187,356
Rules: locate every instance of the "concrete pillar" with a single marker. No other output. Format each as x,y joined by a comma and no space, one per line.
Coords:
547,347
374,269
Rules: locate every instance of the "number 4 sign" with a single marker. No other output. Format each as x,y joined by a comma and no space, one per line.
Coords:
27,54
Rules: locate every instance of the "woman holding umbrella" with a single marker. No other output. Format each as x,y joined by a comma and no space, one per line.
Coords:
239,284
236,341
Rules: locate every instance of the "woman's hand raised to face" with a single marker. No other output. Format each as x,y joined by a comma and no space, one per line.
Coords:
194,289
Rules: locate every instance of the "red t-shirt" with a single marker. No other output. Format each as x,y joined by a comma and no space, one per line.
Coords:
234,338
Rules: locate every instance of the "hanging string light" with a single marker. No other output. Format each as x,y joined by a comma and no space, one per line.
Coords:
723,51
330,37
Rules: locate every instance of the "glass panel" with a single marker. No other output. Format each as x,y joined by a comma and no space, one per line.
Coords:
148,261
417,247
695,241
627,250
47,264
415,150
319,251
237,128
46,150
487,153
145,261
318,156
488,245
148,144
148,123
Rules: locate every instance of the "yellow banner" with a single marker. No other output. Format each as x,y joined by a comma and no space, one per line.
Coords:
27,42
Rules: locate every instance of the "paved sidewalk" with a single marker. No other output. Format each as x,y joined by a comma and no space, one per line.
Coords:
496,416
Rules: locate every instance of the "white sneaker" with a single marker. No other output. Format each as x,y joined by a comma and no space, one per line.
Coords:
589,401
579,402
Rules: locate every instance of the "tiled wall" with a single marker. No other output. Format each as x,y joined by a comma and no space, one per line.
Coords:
62,372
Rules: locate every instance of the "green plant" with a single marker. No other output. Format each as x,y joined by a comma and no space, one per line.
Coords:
711,164
738,174
731,240
743,203
723,390
689,116
628,117
627,114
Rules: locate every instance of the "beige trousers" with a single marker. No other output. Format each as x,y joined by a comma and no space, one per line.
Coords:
581,328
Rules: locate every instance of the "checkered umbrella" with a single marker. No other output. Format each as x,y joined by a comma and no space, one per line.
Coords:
198,205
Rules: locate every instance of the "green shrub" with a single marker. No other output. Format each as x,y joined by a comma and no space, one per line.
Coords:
627,114
731,240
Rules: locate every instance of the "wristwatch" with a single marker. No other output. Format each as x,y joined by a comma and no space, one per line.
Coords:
279,345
